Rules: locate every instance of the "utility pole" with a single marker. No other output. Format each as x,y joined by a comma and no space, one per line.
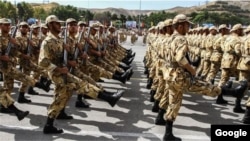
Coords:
139,24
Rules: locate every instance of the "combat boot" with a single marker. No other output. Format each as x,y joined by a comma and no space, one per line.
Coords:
229,84
49,128
81,103
5,110
1,76
156,107
46,82
221,100
149,83
152,93
122,78
46,88
246,118
31,91
146,70
196,63
111,99
237,107
159,119
130,74
22,99
168,136
62,115
20,114
124,66
237,92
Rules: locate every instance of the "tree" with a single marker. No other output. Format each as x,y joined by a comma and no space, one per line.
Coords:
40,13
25,11
114,17
65,12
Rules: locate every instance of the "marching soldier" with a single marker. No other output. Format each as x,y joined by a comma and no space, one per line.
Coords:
181,76
8,62
53,58
216,58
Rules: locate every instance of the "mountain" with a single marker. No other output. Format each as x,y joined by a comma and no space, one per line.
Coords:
237,7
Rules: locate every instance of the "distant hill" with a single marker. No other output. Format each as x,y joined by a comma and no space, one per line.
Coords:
237,7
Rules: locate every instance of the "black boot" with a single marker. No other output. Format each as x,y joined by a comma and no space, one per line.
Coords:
5,110
229,84
45,81
22,99
237,92
146,70
80,102
237,107
220,100
196,62
63,115
124,66
246,118
168,136
32,92
1,76
49,128
42,86
159,119
152,93
122,78
155,107
149,83
111,99
20,114
131,72
212,81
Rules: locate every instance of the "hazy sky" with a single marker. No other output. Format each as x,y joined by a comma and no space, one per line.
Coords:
126,4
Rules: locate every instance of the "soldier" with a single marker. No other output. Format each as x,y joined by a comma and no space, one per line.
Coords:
216,58
231,55
180,72
53,58
8,62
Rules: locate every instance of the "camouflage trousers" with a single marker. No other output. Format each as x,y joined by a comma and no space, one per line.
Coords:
15,74
26,69
101,63
63,91
200,67
177,88
95,71
214,69
206,68
5,99
226,74
248,102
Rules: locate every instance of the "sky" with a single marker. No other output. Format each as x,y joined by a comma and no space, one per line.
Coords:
126,4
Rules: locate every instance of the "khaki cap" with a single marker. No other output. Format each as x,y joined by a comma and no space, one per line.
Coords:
34,26
95,26
236,27
223,26
212,28
23,23
52,18
247,29
4,21
181,18
161,25
69,20
81,22
168,22
44,26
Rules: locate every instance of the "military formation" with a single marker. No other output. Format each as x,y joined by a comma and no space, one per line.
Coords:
180,59
71,55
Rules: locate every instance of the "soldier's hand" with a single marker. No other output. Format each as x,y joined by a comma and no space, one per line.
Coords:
27,57
72,63
31,43
79,46
99,54
63,70
103,53
84,55
5,58
13,41
67,47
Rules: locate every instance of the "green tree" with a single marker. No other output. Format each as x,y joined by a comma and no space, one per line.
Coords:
40,13
65,12
25,11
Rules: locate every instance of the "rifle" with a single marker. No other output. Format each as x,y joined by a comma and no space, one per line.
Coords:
9,46
105,42
76,50
98,45
86,47
65,54
29,48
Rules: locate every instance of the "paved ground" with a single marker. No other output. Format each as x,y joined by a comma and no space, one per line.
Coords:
130,120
